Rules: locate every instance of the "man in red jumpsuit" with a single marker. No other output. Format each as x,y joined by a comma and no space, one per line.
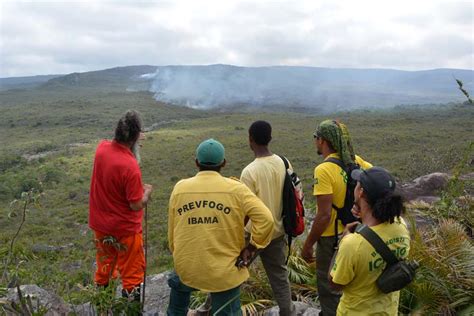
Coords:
117,199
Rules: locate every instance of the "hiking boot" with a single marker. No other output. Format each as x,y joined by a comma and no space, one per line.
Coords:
134,295
134,299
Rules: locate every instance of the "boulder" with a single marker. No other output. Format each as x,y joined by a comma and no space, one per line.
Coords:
425,188
157,294
54,303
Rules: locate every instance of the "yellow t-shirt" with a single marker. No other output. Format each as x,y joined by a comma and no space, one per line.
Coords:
358,265
206,230
265,177
329,178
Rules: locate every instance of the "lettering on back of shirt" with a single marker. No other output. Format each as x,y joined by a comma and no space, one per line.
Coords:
400,252
344,176
202,220
203,204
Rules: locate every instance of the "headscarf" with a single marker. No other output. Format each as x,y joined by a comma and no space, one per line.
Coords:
338,135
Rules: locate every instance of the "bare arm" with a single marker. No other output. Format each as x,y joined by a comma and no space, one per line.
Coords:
320,223
335,286
146,196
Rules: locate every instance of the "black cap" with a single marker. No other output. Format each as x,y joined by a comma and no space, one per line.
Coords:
376,181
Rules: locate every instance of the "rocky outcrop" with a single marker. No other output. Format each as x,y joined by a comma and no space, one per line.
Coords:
425,188
156,302
39,298
157,294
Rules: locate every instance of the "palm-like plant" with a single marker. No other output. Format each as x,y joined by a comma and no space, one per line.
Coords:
256,293
445,281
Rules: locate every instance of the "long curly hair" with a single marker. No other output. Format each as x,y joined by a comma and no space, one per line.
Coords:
128,127
388,207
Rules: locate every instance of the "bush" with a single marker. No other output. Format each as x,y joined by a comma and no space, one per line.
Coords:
7,162
51,174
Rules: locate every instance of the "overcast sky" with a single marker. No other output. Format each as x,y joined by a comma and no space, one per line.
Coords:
57,37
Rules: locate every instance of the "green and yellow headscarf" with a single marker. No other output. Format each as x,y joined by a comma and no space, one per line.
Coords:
338,135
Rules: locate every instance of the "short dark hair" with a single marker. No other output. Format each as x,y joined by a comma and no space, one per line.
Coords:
386,208
261,132
128,127
203,167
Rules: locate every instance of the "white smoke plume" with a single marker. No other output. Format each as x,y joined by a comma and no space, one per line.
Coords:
221,86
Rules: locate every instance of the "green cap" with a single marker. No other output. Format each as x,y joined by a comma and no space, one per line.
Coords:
210,153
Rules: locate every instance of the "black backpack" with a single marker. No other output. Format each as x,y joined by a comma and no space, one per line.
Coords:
293,205
344,213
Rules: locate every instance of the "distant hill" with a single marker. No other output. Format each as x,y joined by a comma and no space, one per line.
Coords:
24,82
278,87
115,78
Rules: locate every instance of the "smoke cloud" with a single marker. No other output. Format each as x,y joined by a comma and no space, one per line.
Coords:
221,86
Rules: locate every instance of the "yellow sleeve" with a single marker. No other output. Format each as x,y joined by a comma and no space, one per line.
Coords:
322,180
171,223
260,216
362,163
343,270
246,178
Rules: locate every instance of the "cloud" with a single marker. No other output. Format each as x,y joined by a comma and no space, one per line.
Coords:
58,36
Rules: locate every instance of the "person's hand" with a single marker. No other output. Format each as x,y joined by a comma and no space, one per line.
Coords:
307,253
147,187
350,228
246,256
355,211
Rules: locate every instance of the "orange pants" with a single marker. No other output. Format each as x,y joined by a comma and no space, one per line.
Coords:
128,261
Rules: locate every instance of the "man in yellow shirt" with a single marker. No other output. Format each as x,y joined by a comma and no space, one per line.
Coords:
330,181
265,177
358,265
206,234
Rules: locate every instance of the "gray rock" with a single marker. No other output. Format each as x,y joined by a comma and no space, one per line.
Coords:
427,199
39,248
156,301
468,176
425,186
55,304
73,266
85,309
302,309
157,294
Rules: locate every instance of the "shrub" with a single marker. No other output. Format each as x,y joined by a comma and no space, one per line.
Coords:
444,282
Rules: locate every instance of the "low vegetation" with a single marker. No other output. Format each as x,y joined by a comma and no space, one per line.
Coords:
51,147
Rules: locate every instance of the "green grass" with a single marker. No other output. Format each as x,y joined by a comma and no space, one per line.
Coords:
408,141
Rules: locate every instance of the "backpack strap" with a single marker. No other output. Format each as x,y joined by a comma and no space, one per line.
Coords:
377,243
336,161
336,233
285,161
343,167
287,165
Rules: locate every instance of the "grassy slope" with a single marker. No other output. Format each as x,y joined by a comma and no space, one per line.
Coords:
408,142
